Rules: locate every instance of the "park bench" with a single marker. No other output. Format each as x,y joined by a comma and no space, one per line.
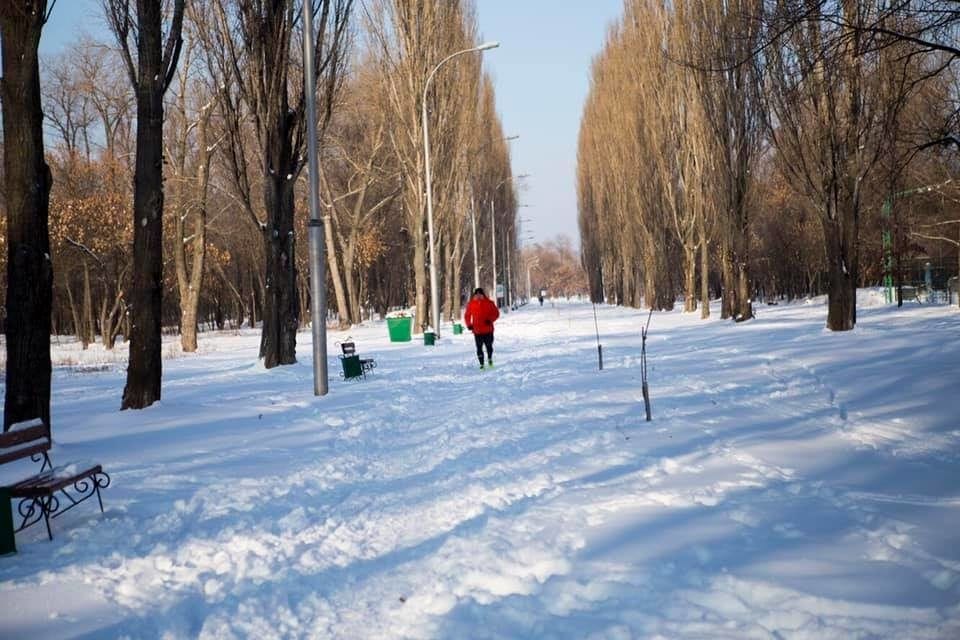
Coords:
52,491
353,365
910,293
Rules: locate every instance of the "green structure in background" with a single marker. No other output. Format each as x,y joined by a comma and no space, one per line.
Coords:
887,251
401,329
887,211
429,338
8,543
457,329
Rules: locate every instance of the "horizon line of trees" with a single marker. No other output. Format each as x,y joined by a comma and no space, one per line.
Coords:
766,149
174,192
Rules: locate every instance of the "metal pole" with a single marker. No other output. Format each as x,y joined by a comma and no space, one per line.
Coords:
318,264
508,298
476,260
493,237
434,296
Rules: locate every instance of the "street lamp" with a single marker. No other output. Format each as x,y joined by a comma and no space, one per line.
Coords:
493,229
318,264
434,295
473,220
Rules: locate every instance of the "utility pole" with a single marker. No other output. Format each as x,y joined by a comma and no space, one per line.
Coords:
493,236
476,260
434,290
508,292
318,263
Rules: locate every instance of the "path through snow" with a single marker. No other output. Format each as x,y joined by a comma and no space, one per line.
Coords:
793,484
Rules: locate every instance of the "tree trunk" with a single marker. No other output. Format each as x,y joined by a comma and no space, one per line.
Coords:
281,307
455,281
29,296
333,263
74,315
629,296
704,276
420,278
728,302
109,320
447,283
89,327
145,369
840,233
353,284
255,298
743,308
649,280
191,284
690,279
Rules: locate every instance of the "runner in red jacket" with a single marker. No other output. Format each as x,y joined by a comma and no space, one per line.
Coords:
479,317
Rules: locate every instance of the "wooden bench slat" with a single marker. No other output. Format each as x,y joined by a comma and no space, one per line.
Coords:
26,450
50,481
13,438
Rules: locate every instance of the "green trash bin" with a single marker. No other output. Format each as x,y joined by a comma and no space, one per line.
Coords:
457,329
429,338
8,543
401,329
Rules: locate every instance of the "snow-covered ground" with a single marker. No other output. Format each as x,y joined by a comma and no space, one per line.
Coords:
794,483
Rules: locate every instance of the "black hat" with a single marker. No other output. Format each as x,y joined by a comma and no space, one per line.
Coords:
479,292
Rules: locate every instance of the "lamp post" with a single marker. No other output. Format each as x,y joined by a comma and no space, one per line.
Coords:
493,228
318,264
510,250
531,261
493,239
434,295
473,222
476,262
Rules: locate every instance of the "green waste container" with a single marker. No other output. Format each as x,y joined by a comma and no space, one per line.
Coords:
8,543
429,338
401,329
457,329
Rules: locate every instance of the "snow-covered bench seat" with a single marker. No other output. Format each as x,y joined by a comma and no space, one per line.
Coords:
53,490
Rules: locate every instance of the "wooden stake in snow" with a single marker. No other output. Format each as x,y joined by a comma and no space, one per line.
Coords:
597,327
643,366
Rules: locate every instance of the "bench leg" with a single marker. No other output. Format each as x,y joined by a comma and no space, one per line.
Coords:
46,506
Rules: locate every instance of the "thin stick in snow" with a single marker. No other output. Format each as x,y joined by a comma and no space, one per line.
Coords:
643,366
597,327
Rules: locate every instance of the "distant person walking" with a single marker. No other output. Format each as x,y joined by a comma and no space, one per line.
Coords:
479,317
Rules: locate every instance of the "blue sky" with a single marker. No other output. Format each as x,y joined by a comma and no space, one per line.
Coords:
541,71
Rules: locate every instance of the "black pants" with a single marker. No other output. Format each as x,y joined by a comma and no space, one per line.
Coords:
484,340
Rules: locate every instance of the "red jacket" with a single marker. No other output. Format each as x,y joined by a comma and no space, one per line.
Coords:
480,315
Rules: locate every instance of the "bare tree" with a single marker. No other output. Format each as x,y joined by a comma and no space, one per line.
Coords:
408,39
827,110
191,143
253,59
151,62
721,39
